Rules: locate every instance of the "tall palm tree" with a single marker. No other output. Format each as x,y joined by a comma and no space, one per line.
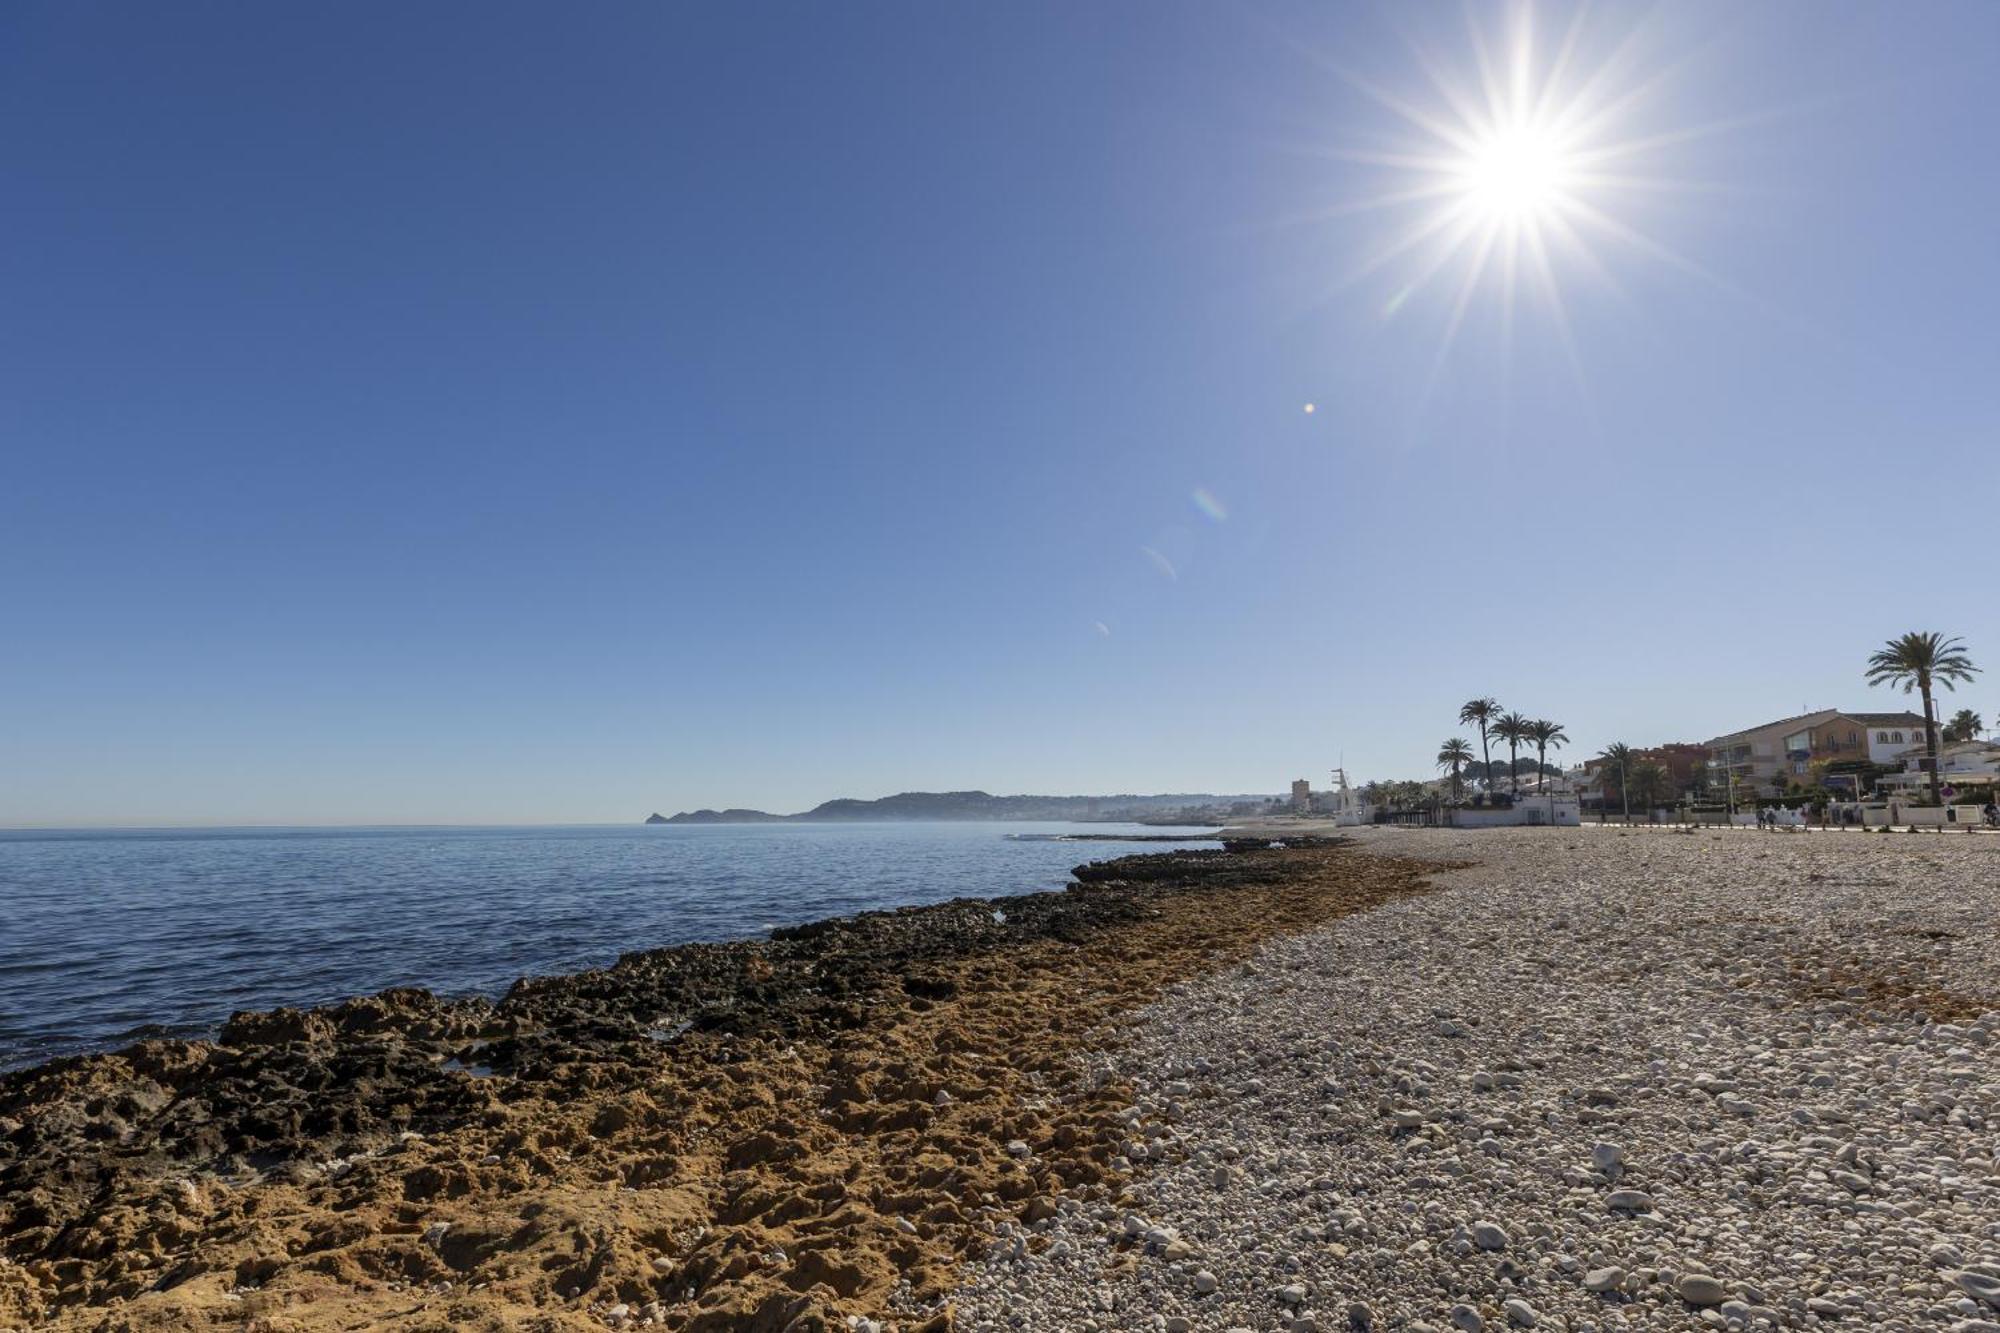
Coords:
1653,782
1620,753
1454,755
1480,713
1918,661
1513,729
1965,725
1545,734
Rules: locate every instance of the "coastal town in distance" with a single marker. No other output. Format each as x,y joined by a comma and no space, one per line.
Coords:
1835,767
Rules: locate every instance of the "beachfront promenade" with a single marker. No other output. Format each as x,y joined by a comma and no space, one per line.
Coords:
1289,826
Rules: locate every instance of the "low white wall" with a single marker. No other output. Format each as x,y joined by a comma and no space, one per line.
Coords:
1529,811
1896,814
1931,816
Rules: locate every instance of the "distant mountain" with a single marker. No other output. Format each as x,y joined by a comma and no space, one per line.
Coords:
954,805
719,817
977,805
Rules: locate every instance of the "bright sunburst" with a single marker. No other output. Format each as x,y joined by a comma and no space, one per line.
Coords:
1526,159
1517,174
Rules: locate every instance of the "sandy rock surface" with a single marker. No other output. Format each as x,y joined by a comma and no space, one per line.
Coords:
808,1132
1605,1080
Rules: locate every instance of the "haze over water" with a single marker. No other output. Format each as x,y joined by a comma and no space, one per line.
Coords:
116,935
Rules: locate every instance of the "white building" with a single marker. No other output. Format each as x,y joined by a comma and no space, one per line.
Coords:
1971,766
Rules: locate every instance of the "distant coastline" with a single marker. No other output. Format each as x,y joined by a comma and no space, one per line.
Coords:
1196,807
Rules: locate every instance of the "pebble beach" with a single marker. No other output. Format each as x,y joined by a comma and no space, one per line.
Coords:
1601,1080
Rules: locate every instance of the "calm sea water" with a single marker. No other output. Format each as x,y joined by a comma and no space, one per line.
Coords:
110,936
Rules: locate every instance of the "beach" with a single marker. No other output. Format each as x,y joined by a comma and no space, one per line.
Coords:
779,1133
1574,1079
1599,1080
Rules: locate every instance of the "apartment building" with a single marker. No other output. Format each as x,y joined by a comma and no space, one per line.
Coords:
1788,748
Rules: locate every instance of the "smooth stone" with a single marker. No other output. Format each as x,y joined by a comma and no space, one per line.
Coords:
1701,1289
1979,1286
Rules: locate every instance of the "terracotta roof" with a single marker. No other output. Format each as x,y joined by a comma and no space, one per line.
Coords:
1817,715
1813,719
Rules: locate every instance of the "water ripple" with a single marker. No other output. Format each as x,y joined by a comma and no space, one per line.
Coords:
110,935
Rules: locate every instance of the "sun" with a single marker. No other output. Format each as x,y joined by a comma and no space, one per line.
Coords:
1522,158
1520,174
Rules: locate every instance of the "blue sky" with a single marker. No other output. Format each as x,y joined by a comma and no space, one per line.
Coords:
521,413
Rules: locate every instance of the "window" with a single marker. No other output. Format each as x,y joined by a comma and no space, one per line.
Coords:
1881,738
1896,737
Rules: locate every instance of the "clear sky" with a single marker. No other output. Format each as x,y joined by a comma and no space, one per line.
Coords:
486,412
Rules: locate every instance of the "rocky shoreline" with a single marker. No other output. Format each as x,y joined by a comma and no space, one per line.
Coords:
803,1132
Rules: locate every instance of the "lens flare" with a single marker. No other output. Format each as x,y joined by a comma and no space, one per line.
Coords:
1210,507
1160,562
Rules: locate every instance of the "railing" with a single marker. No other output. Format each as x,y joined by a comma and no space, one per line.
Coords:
1931,819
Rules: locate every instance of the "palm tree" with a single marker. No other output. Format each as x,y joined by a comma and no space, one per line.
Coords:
1965,725
1454,755
1620,753
1653,782
1480,713
1918,661
1545,733
1513,729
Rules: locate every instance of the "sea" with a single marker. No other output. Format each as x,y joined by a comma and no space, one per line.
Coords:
111,936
